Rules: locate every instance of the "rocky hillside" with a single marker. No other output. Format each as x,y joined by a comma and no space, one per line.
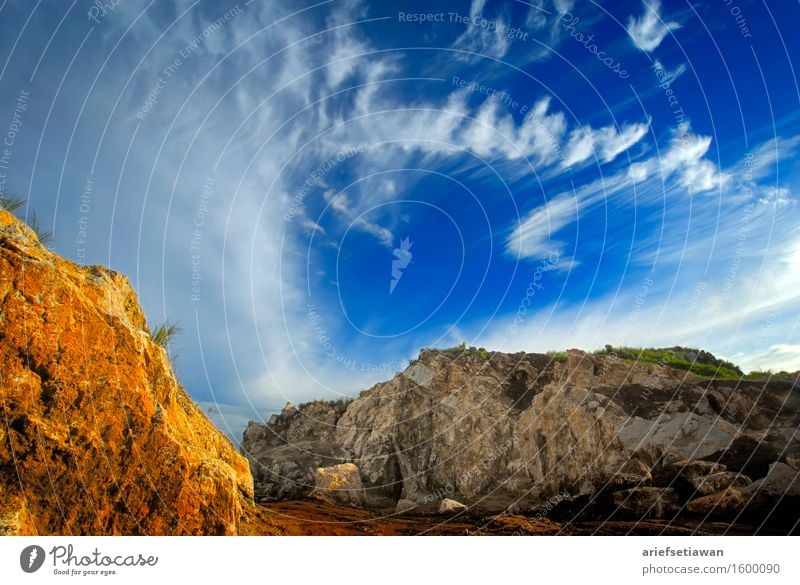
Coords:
585,436
97,435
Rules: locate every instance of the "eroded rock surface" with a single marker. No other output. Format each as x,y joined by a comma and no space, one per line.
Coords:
516,431
97,435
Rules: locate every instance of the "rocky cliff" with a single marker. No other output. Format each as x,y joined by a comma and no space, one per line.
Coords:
97,435
586,435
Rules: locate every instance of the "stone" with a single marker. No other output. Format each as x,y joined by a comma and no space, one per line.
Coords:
694,471
99,437
285,453
521,429
419,374
727,503
339,485
717,482
781,481
647,502
632,473
448,506
404,506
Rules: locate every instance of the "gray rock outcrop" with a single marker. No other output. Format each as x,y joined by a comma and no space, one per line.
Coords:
514,431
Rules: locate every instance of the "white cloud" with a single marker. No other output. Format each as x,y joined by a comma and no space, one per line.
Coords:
480,39
767,156
684,159
649,30
260,283
751,319
605,143
312,226
341,204
533,238
670,76
724,272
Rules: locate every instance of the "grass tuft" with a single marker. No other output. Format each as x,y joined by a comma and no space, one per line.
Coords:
44,236
165,333
10,203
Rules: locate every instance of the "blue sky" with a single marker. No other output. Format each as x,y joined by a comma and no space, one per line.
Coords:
563,175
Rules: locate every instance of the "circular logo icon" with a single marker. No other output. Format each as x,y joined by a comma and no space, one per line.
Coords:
31,558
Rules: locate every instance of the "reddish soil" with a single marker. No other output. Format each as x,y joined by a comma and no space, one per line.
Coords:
305,517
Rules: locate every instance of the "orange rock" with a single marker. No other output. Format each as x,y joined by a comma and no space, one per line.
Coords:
97,435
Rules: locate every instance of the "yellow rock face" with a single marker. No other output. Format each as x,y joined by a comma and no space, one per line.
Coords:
97,435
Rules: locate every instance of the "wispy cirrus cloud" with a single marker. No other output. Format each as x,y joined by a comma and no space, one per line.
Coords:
649,30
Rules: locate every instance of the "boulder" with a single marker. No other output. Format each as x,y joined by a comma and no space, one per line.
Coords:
632,473
289,410
694,471
781,481
285,453
647,502
339,485
448,506
717,482
727,503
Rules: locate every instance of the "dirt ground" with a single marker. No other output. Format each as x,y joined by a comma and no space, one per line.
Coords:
305,517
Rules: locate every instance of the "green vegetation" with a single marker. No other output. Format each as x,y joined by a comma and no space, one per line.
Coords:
9,202
767,374
462,350
696,361
340,403
164,333
44,236
12,204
